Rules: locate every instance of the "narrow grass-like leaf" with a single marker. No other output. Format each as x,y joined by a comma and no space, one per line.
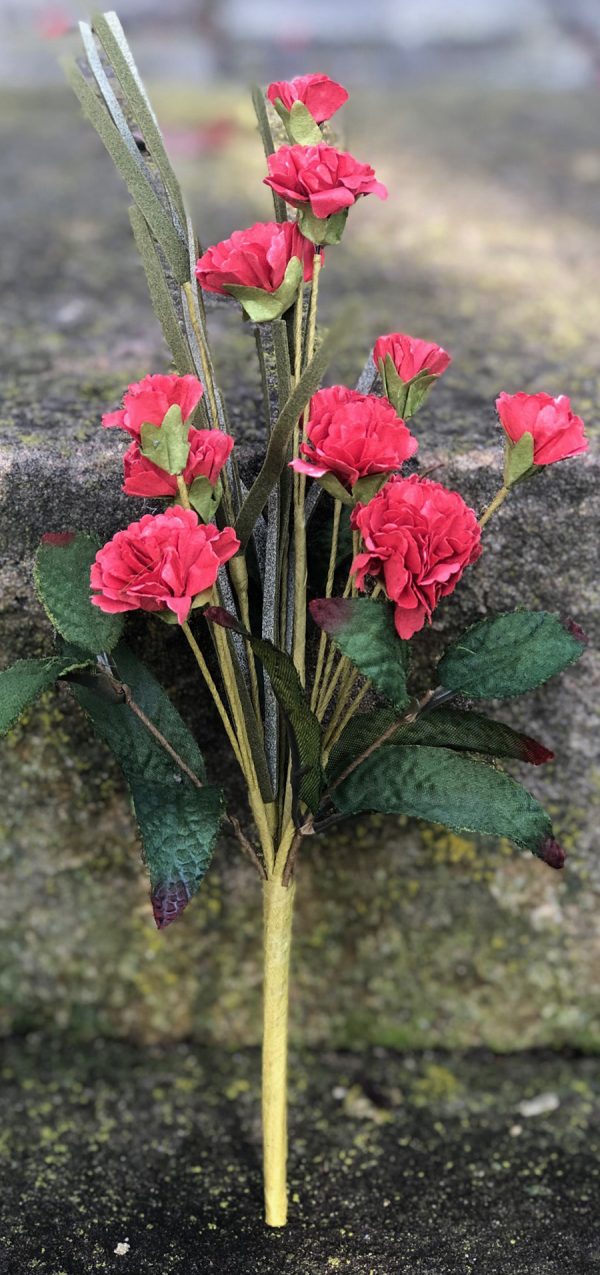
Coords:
162,301
364,631
277,451
137,183
444,787
178,817
62,581
112,37
303,727
510,654
264,128
440,728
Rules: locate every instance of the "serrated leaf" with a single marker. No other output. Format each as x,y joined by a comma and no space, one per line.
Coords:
178,821
62,581
301,126
304,730
264,307
322,230
277,450
518,460
510,654
166,445
442,727
21,684
446,788
364,631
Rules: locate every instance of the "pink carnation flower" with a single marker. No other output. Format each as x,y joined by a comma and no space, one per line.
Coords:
410,355
321,177
557,432
209,450
420,537
148,401
255,258
352,435
320,95
160,563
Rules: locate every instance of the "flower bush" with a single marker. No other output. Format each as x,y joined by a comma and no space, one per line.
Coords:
226,561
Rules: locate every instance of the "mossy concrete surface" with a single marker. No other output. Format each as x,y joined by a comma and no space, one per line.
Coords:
404,937
117,1160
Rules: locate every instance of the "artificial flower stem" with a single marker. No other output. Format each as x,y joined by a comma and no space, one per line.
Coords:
498,500
336,728
278,905
335,532
239,575
183,492
222,711
299,643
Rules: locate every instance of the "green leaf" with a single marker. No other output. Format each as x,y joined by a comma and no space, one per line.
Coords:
304,730
442,727
333,487
132,172
518,460
444,787
302,128
277,451
322,230
62,581
264,307
178,821
167,445
204,498
510,654
364,631
160,295
264,128
406,397
366,488
21,684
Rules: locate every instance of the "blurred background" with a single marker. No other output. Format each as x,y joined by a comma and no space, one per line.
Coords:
483,119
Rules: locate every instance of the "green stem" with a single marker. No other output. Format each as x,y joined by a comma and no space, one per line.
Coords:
299,643
183,492
498,500
335,532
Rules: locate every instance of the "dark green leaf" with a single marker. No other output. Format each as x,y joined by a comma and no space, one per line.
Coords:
440,728
366,488
21,684
364,631
178,820
303,728
446,788
166,445
510,654
62,580
277,451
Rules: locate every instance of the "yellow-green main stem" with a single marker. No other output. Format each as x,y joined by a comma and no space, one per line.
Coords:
278,905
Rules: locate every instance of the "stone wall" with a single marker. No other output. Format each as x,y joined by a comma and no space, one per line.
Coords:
405,936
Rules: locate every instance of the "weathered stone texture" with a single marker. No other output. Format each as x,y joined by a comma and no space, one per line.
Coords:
405,937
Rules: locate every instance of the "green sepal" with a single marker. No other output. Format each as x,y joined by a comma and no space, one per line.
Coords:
406,397
204,498
363,630
510,654
304,730
322,230
302,128
167,445
458,729
447,788
21,684
62,581
333,487
366,488
518,460
263,307
169,617
178,821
